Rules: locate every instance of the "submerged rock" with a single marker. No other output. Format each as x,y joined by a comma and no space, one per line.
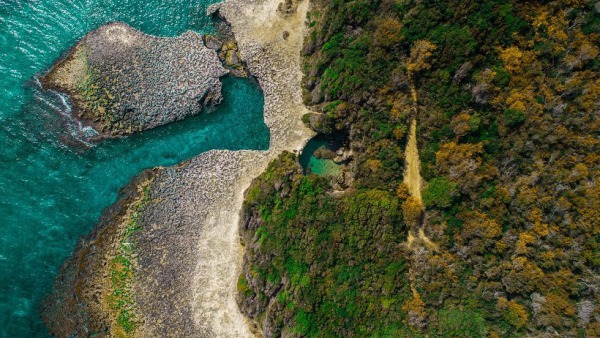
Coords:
123,81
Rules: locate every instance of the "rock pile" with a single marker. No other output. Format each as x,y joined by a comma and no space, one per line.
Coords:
288,7
227,50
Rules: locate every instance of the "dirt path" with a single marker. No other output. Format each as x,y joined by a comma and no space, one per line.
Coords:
412,176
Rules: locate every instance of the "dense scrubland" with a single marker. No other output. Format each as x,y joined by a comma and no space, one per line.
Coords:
508,107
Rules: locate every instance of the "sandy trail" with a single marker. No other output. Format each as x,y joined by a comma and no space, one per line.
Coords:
413,180
412,175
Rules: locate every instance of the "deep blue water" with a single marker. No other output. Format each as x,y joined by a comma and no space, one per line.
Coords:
52,192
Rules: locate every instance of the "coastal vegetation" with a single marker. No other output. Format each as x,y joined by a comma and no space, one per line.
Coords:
508,124
315,283
122,268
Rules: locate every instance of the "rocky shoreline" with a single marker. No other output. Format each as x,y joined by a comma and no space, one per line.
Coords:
121,81
93,291
187,247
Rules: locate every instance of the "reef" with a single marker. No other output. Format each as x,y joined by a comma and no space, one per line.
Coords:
121,81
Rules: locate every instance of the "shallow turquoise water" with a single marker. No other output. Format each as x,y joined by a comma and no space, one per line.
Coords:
51,192
320,166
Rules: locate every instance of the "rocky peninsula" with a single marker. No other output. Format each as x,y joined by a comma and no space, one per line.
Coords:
122,81
184,252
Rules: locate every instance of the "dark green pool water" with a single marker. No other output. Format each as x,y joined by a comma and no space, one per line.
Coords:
52,192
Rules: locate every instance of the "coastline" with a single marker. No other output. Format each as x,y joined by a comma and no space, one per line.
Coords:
188,248
84,299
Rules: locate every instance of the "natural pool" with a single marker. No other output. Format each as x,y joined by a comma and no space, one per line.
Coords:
317,165
51,192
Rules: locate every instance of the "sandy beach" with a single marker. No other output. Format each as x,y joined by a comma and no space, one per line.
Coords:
275,62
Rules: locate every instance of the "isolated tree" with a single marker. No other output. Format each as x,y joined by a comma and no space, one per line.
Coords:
461,124
388,33
514,313
420,55
402,191
412,210
440,192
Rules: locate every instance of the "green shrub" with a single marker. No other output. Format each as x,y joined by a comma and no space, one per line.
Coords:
440,192
513,117
460,322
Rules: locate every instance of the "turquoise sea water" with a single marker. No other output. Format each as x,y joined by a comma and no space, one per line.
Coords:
52,192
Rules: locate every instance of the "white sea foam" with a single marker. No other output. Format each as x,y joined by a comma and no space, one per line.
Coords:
88,131
75,128
37,81
65,101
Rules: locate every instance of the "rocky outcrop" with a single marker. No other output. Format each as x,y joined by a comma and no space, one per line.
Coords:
318,122
227,50
224,43
288,7
122,81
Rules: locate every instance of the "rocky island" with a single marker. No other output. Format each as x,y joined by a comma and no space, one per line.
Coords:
122,81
